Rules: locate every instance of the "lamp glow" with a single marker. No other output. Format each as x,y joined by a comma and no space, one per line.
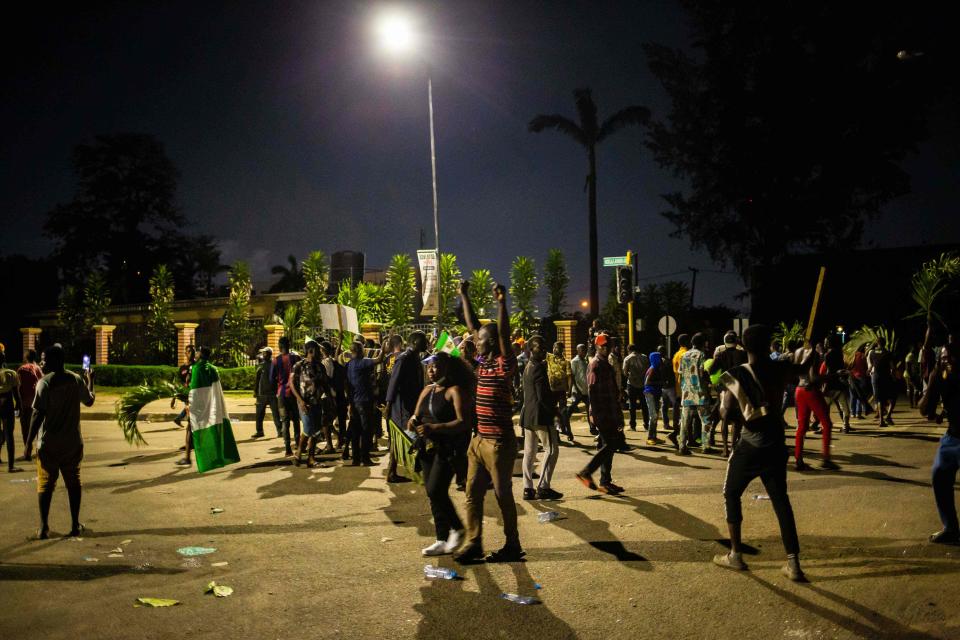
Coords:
395,32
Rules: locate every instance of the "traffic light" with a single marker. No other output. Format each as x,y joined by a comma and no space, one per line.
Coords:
624,284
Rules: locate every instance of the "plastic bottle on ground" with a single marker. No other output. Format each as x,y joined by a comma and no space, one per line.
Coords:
432,572
513,597
548,516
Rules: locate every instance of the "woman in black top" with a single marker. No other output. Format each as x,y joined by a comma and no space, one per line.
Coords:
440,419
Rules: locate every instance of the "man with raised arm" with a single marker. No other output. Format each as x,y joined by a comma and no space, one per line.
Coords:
493,450
758,388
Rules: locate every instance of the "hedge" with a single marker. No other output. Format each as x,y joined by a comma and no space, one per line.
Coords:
122,375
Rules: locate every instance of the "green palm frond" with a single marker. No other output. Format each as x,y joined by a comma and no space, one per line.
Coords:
932,280
786,334
132,402
868,335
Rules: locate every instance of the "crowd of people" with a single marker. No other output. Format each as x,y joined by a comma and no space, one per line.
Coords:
449,416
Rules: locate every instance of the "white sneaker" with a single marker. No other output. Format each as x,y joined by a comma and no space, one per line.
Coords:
438,548
454,540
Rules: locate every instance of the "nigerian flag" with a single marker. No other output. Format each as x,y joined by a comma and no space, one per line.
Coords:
213,442
445,344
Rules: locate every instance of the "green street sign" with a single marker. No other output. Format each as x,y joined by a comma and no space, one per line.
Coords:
615,261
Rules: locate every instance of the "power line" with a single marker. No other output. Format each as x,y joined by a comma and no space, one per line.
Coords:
661,275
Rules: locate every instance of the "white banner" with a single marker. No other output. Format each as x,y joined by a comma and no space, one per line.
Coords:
429,276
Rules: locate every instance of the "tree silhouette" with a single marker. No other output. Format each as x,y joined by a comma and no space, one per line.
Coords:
121,216
291,277
789,125
588,133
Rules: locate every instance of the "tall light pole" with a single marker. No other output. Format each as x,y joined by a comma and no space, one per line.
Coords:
397,35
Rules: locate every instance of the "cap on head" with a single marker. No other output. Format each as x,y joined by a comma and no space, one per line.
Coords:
601,340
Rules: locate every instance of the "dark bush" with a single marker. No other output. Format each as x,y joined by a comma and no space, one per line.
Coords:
120,375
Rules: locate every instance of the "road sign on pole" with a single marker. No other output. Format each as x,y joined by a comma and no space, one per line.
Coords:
739,324
616,261
667,325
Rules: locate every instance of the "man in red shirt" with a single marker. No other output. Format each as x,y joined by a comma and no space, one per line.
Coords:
606,416
493,450
29,374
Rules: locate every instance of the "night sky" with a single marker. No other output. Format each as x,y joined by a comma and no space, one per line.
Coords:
292,132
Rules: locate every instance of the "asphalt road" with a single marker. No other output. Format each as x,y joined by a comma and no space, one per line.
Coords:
334,552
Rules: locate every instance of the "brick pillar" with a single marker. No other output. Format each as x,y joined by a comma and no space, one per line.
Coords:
274,333
371,331
567,334
186,336
102,334
30,338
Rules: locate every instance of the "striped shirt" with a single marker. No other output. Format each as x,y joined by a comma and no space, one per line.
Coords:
495,396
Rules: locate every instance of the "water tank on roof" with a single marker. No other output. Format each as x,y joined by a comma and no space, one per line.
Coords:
345,265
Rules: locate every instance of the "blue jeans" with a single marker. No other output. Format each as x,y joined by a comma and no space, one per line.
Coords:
670,402
652,401
944,475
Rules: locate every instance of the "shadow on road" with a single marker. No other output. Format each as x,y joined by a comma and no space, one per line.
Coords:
33,572
879,627
449,610
597,534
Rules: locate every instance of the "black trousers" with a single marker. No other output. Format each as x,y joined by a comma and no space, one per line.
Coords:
291,413
611,439
362,430
262,403
7,422
576,399
437,472
635,397
770,465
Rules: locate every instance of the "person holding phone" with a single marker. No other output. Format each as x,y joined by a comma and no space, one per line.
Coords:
440,418
55,425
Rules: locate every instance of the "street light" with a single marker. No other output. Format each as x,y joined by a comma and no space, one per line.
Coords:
396,33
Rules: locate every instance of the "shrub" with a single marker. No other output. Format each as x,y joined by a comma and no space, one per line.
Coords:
119,375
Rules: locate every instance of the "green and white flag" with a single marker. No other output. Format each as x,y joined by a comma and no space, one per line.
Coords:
213,442
445,344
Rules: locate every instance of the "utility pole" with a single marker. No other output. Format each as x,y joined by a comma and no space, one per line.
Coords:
693,285
630,302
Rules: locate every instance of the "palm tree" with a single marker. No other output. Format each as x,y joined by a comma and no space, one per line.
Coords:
291,277
589,133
